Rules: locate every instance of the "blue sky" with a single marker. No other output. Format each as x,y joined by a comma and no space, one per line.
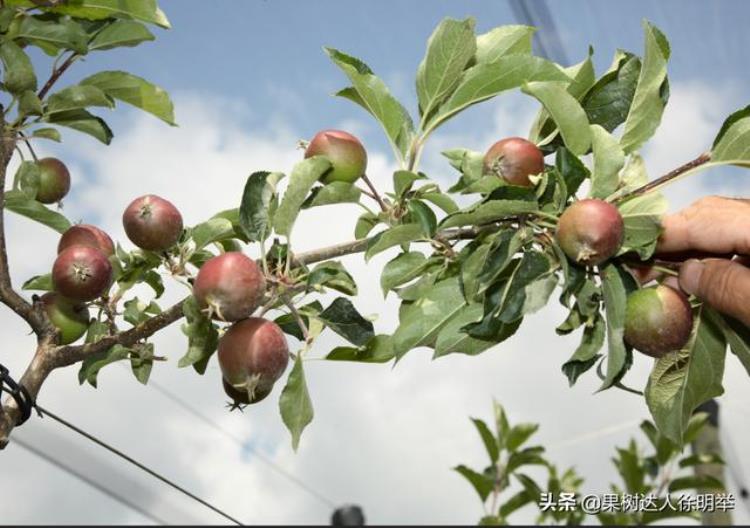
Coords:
249,78
269,55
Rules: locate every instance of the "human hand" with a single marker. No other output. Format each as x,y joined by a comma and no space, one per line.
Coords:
718,229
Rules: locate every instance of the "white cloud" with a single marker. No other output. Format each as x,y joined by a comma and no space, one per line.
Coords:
382,437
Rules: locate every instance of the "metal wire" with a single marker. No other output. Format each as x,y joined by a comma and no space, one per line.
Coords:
83,478
218,428
137,464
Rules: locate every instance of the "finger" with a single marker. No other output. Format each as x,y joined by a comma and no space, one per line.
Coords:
713,224
723,284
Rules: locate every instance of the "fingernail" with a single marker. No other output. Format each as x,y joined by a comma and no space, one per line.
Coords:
690,275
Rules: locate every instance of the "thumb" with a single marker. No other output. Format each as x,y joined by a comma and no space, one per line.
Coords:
723,284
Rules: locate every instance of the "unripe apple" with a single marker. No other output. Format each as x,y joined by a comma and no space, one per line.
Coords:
242,396
345,152
514,159
86,235
54,180
658,320
81,273
70,318
253,354
152,223
231,286
590,231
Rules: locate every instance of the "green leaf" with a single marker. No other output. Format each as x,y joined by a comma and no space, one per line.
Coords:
519,434
583,78
472,259
18,76
538,292
39,282
630,468
443,201
530,456
608,160
634,174
642,222
503,40
566,112
142,361
365,223
304,175
371,93
505,300
137,311
83,121
47,133
202,335
332,275
488,439
402,269
135,91
738,337
514,503
489,212
733,140
572,169
696,482
486,80
682,380
18,202
649,99
402,181
700,459
211,231
379,349
614,292
344,319
481,483
608,102
59,33
294,403
587,353
120,33
93,363
449,49
77,97
421,213
333,193
29,104
503,249
259,202
27,178
144,10
454,339
393,236
421,321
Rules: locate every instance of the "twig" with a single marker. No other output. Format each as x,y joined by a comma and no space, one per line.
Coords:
8,295
56,73
663,180
374,194
298,318
28,145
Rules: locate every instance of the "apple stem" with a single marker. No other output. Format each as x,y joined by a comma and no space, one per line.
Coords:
28,145
375,196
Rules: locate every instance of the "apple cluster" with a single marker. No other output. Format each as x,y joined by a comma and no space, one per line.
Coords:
590,231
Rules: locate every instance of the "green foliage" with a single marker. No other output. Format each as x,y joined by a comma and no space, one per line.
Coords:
294,403
664,470
503,486
467,264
